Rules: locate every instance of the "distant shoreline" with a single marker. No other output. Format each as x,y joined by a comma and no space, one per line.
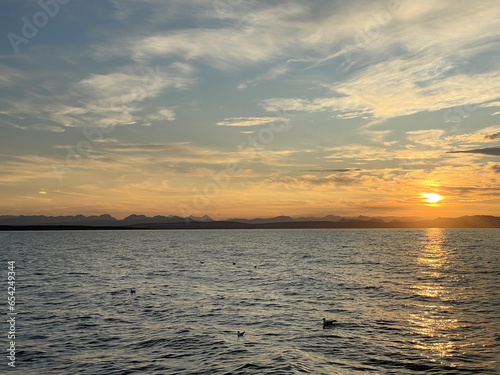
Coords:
493,222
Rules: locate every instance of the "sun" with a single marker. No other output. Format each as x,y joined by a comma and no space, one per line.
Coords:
432,197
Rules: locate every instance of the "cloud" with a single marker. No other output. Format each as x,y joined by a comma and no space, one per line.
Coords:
163,114
101,100
491,151
346,107
307,181
407,65
23,168
252,32
359,152
131,85
9,76
375,180
485,135
493,136
459,184
58,192
271,74
332,170
397,88
249,32
219,48
356,60
42,127
431,137
251,121
185,152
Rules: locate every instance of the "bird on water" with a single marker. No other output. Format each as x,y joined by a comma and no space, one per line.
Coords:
328,323
132,291
240,334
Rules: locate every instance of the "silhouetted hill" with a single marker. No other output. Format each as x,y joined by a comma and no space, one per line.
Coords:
277,219
177,222
325,218
142,219
102,220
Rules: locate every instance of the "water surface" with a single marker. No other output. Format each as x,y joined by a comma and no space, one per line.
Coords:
406,301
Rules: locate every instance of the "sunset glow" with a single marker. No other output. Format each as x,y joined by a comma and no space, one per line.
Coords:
256,110
432,197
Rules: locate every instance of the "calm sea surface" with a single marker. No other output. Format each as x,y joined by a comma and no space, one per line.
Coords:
406,301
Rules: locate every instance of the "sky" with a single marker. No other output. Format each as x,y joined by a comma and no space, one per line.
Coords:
233,108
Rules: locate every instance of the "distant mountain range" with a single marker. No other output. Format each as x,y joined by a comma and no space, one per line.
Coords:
205,222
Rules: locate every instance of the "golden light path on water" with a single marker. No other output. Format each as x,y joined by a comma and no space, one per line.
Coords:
436,325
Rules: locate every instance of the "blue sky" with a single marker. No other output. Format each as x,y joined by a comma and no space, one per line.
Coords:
249,108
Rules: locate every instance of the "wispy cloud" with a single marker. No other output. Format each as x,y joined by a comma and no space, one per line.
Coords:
493,136
398,88
163,114
491,151
308,181
9,76
427,75
41,127
26,168
431,137
251,121
100,100
331,170
271,74
485,135
186,152
359,152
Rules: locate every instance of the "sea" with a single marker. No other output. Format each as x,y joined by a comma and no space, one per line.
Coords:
403,301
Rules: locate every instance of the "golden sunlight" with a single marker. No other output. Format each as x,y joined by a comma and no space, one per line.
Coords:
432,197
435,318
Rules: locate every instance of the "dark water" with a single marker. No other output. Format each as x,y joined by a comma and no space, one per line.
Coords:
406,301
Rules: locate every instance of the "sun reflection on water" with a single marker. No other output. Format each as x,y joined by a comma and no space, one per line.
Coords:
433,322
